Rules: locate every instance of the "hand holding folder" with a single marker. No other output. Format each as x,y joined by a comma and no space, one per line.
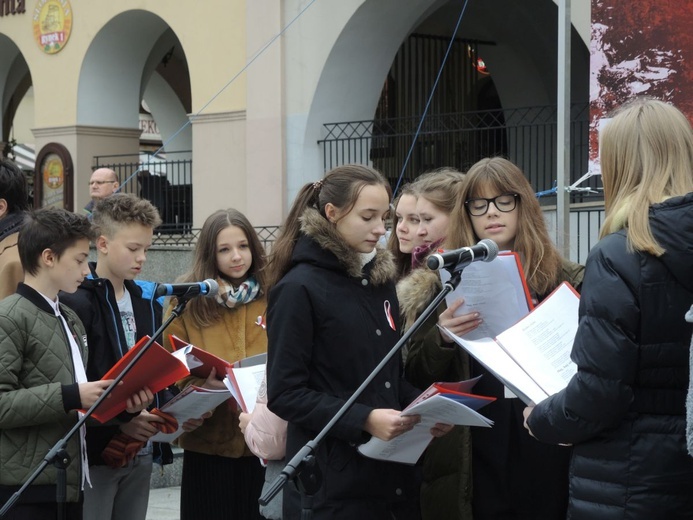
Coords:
156,369
532,358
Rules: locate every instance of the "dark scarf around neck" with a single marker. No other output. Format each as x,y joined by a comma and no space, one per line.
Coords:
10,224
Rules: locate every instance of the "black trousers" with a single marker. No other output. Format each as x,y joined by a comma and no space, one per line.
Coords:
44,511
515,477
220,487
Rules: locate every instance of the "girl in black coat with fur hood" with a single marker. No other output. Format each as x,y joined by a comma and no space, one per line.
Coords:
332,317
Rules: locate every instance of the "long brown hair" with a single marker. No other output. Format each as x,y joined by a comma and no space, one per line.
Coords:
402,260
646,156
341,187
540,258
205,311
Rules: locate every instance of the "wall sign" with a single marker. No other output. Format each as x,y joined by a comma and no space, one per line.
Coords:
54,177
52,22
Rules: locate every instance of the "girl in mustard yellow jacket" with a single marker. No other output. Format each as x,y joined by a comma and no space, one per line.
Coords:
221,477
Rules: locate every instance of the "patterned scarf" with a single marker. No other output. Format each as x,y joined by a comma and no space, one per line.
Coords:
230,296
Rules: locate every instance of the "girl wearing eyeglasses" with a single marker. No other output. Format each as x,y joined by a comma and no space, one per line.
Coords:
498,472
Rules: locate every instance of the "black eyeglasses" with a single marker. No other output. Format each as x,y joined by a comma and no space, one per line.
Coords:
505,203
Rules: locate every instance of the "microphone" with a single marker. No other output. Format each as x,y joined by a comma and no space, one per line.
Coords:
486,250
207,288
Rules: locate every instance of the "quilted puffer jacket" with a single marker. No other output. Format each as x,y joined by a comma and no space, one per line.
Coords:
624,410
37,390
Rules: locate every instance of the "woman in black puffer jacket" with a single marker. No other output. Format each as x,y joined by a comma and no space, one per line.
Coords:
624,410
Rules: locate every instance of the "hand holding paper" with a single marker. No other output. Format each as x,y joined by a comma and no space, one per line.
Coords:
497,291
532,358
441,404
192,403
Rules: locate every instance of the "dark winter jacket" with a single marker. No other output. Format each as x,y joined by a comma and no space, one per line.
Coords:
505,451
329,323
624,410
95,304
38,394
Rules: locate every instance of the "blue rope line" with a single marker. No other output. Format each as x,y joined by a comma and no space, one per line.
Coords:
430,98
250,62
551,191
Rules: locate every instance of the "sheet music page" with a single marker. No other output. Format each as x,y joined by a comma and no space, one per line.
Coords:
191,403
497,361
541,343
496,290
244,384
408,447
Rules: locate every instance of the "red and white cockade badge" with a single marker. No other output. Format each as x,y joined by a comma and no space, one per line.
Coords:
261,322
388,315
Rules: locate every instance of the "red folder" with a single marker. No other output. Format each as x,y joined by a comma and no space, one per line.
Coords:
156,369
198,361
459,391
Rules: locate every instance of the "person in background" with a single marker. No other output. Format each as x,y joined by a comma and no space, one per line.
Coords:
221,476
624,409
13,204
436,195
265,435
103,183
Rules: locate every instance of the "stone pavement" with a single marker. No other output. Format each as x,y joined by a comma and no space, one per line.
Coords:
164,504
164,495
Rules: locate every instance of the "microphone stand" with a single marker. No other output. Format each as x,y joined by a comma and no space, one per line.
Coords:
57,455
303,468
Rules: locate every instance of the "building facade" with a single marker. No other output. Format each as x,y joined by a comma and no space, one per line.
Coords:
244,89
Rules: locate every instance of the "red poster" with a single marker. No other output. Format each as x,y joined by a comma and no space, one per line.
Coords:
639,48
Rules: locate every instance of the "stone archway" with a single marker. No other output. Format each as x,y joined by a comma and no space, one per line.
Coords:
361,40
117,70
15,82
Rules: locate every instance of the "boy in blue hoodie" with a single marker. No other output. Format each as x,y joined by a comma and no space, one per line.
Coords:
117,311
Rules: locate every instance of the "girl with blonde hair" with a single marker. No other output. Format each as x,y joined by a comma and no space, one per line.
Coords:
437,192
624,410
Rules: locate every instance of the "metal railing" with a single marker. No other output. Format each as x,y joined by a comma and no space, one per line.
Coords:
266,234
526,136
585,223
165,182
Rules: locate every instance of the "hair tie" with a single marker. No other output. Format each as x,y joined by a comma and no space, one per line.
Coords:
317,185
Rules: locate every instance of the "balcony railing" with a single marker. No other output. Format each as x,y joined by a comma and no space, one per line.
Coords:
166,183
526,136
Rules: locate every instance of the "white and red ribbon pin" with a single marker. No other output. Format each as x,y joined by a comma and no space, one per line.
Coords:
388,315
